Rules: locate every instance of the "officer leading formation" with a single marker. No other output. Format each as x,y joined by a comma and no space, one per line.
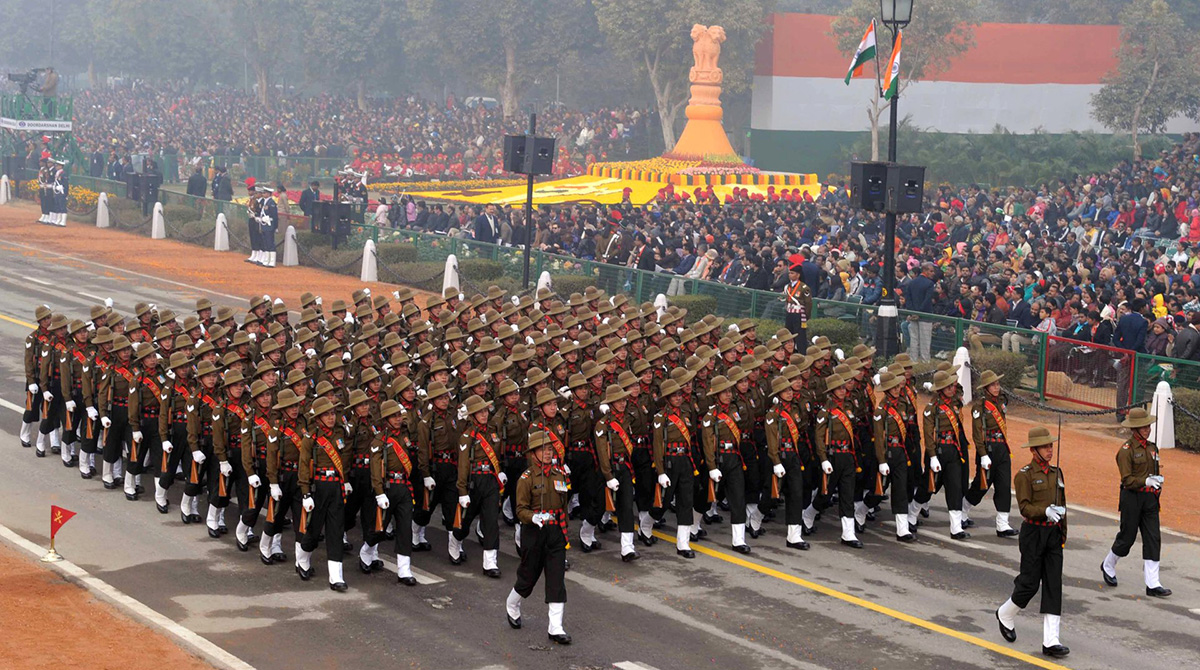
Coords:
534,412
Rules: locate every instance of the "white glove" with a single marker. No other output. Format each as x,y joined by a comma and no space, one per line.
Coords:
226,468
137,436
276,492
105,421
1153,482
779,471
714,475
613,484
664,481
33,388
827,467
308,503
1052,514
347,488
310,352
70,405
885,469
428,482
48,396
462,412
198,457
935,464
254,481
253,336
464,501
108,302
603,408
985,462
503,477
92,413
167,447
346,357
381,501
349,318
387,368
565,392
538,519
318,300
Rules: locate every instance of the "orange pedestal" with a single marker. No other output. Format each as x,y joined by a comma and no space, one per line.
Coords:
704,135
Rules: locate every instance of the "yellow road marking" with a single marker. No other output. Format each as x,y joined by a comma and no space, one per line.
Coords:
867,604
18,321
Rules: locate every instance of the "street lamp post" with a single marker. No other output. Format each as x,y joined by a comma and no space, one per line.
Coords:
895,14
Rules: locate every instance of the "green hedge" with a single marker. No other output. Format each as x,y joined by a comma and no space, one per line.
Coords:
565,285
477,270
180,214
841,333
391,253
1011,366
1187,430
696,305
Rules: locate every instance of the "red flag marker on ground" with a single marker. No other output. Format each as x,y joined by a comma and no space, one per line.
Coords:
58,517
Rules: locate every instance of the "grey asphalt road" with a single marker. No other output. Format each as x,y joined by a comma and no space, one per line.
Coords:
901,606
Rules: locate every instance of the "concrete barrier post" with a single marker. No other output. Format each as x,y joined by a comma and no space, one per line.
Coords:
1162,433
291,251
450,278
962,358
544,281
158,228
102,211
221,234
5,190
370,267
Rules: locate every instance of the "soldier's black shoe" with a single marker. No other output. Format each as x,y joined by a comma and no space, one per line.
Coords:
713,518
305,575
494,573
1057,651
462,558
912,527
194,518
347,546
223,529
514,624
162,509
854,544
700,534
340,587
757,533
118,480
214,533
40,453
109,486
1158,592
131,497
55,449
287,522
1111,580
589,548
508,521
960,535
184,517
686,553
924,513
407,581
968,523
906,538
25,444
67,464
266,560
607,526
561,639
649,541
389,536
87,475
808,530
242,546
278,558
769,515
858,527
376,565
1011,532
723,504
630,557
422,546
870,515
741,548
659,524
75,461
364,567
801,545
1007,633
139,489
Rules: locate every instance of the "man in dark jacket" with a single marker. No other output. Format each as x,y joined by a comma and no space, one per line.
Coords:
487,226
197,185
1130,334
920,299
222,187
310,197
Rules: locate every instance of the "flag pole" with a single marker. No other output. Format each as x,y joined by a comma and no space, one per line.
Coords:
52,556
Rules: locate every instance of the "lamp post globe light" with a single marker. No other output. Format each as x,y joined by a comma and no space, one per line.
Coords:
895,14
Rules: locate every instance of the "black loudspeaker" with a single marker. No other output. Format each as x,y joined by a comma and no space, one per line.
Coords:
521,158
868,184
905,188
514,153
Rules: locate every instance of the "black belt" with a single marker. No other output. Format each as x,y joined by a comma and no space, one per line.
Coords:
289,466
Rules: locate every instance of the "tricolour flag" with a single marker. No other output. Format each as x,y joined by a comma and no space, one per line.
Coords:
891,87
864,53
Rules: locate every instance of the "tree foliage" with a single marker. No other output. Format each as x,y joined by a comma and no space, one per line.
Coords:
1157,74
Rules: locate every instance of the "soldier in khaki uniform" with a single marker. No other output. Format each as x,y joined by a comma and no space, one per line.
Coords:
256,431
784,432
227,470
1141,486
1042,500
393,470
285,430
945,448
891,434
323,463
74,371
37,340
200,415
721,439
834,440
542,493
112,401
437,444
614,450
993,463
144,442
480,485
512,427
674,465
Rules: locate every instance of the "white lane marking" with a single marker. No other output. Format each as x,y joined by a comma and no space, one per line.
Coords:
37,281
114,268
89,295
209,651
633,665
1195,610
13,406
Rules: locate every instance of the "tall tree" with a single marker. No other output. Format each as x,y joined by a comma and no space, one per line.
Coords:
655,37
342,41
1157,76
941,31
267,31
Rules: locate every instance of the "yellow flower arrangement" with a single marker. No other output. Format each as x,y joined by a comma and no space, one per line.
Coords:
398,187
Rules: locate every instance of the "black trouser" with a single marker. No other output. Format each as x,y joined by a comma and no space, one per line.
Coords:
444,495
255,498
484,490
325,520
169,463
644,480
76,418
682,473
34,413
998,477
400,510
700,502
918,483
585,480
360,490
841,482
1041,565
793,321
140,453
88,433
266,238
753,477
253,228
117,433
543,550
734,477
197,473
277,510
794,487
233,485
955,476
868,466
763,495
897,460
624,495
52,418
514,466
1139,512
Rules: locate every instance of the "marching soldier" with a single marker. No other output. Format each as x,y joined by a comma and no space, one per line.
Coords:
581,459
50,381
542,493
323,487
993,463
437,442
145,443
480,485
392,472
836,452
74,371
511,425
944,448
783,433
116,385
36,342
1141,487
1042,500
674,465
287,431
256,431
721,438
172,427
361,429
639,415
228,470
891,434
201,413
614,451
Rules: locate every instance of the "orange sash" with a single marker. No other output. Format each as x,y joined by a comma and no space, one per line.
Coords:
488,450
620,431
559,447
845,421
332,453
899,422
679,425
793,429
998,418
400,454
731,425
